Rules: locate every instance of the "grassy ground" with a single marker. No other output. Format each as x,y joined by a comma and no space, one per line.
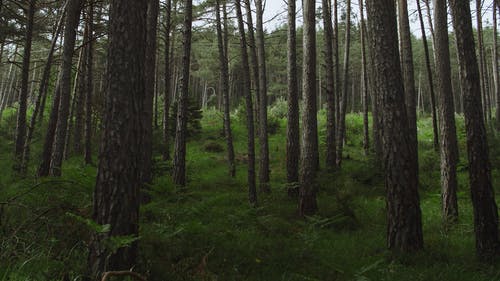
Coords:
208,231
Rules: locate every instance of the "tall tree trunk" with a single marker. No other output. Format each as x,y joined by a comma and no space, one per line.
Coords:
224,85
408,78
116,194
345,86
337,87
309,153
23,97
364,75
254,61
331,150
482,193
149,79
71,24
429,78
168,81
404,230
252,190
179,164
449,146
78,104
263,137
482,76
90,85
496,80
43,169
292,128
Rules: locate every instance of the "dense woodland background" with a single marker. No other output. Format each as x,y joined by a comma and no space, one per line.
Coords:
172,140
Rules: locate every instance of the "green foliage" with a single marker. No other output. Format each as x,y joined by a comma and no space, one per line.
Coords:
194,115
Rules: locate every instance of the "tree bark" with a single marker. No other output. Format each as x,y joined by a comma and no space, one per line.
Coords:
23,96
179,164
404,230
331,150
309,153
116,194
149,79
224,85
292,129
254,61
90,85
482,193
252,190
364,77
345,86
496,80
168,81
449,146
71,24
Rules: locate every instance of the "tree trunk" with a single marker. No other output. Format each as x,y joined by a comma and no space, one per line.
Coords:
23,97
73,9
78,105
345,85
90,85
254,61
168,81
429,78
43,169
331,150
263,138
408,78
404,230
482,193
364,75
449,146
149,79
309,153
495,65
482,76
224,86
252,190
179,164
292,129
116,195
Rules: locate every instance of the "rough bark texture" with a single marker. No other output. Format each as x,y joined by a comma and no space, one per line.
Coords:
254,61
480,46
149,79
263,139
73,9
408,77
43,169
179,168
90,85
364,75
252,190
309,153
116,195
345,86
483,196
449,146
331,149
23,95
224,85
292,129
78,104
168,82
404,230
495,65
429,78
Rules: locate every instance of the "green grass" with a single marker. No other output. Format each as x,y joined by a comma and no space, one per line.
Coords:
208,231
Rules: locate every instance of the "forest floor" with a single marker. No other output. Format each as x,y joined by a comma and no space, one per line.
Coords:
208,230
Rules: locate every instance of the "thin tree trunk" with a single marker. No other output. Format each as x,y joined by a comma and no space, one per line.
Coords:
90,85
495,65
23,97
179,164
343,104
77,105
364,85
263,137
429,78
252,190
224,85
72,20
309,153
292,129
254,61
482,76
168,81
